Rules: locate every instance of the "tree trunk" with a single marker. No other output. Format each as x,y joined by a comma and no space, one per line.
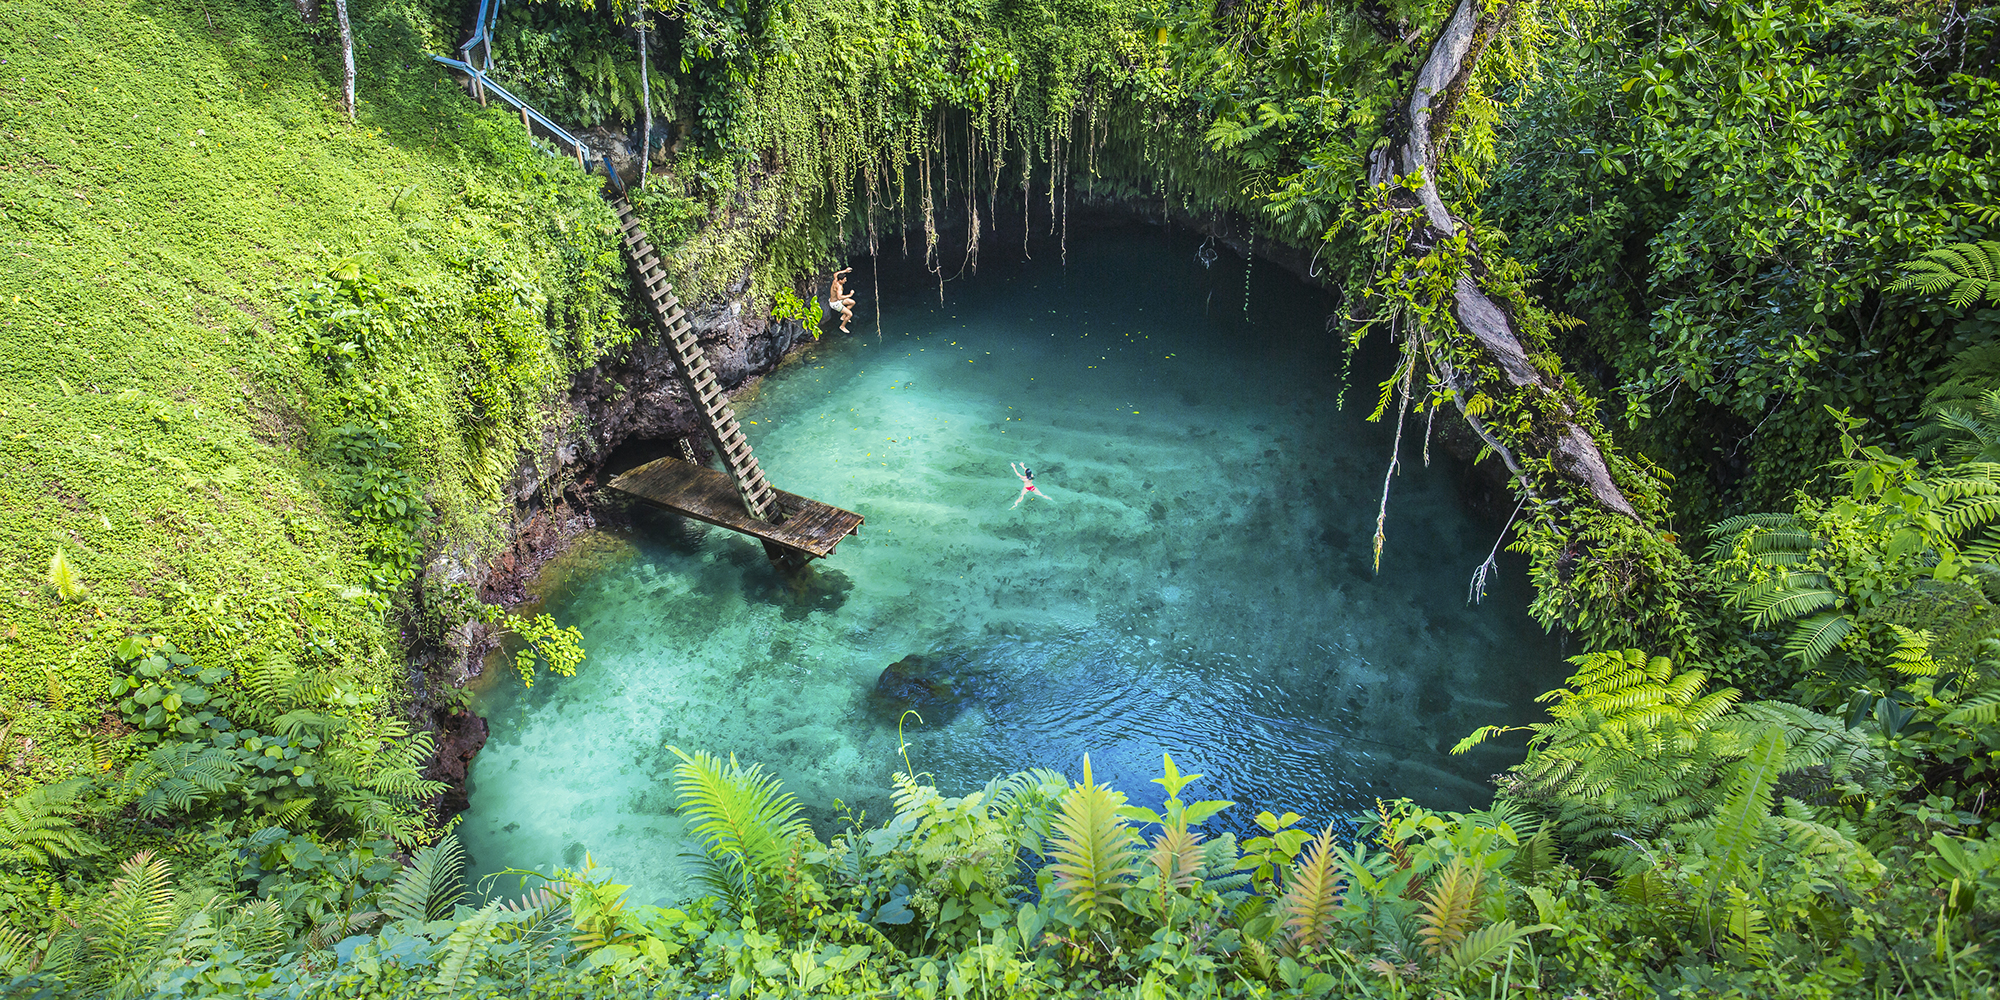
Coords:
1413,149
645,102
346,53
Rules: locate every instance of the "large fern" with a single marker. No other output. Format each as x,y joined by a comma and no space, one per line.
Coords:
1968,271
1451,907
738,812
18,954
458,962
34,829
1094,850
1632,746
1312,898
1487,947
1735,829
1813,740
126,929
430,886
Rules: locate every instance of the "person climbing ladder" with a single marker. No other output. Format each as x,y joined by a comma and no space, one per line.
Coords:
1027,477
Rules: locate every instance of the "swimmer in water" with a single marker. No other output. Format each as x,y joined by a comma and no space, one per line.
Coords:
1027,476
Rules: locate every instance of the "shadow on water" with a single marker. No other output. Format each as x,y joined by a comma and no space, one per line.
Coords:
1197,578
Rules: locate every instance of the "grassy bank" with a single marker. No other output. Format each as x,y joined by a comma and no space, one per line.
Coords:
217,294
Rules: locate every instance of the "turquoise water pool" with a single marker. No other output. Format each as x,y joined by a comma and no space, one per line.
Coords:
1196,580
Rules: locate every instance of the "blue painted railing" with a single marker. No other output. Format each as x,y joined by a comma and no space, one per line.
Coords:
482,31
555,131
483,84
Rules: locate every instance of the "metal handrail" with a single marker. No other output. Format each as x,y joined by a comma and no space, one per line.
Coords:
481,32
504,94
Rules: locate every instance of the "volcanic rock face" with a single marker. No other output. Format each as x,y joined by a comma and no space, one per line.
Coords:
460,737
634,396
639,396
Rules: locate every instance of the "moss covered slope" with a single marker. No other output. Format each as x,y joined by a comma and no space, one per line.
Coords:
172,176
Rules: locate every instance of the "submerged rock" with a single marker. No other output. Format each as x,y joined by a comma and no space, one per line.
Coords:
936,686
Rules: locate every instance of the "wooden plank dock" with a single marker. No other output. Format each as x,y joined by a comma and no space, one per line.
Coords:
809,527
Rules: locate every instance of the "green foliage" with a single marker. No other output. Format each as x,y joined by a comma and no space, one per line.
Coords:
1969,271
747,822
353,774
1830,571
62,576
1722,192
34,829
1690,179
431,885
172,428
1633,745
786,305
1964,435
1094,853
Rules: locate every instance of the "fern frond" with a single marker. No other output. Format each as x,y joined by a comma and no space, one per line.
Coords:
1450,908
1176,858
1488,946
1814,740
1312,896
1814,638
1536,856
1734,526
125,930
1094,849
1809,837
738,811
17,952
1971,271
430,886
1789,604
1978,710
340,926
1736,828
458,963
34,829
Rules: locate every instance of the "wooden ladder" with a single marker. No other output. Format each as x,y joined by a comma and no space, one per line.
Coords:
724,432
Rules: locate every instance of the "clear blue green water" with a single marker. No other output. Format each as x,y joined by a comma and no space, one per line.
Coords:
1197,580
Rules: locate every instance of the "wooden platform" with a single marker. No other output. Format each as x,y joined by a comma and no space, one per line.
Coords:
705,494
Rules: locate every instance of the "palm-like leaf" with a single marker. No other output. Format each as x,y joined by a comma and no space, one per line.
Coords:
1968,433
1788,603
1093,849
1969,271
126,929
1739,824
738,811
458,964
1486,947
1979,710
1312,894
1811,640
1450,907
1176,859
17,952
431,886
1815,740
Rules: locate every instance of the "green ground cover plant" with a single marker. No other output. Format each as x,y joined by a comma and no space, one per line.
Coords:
260,363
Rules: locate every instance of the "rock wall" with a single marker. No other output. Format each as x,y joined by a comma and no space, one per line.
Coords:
635,397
